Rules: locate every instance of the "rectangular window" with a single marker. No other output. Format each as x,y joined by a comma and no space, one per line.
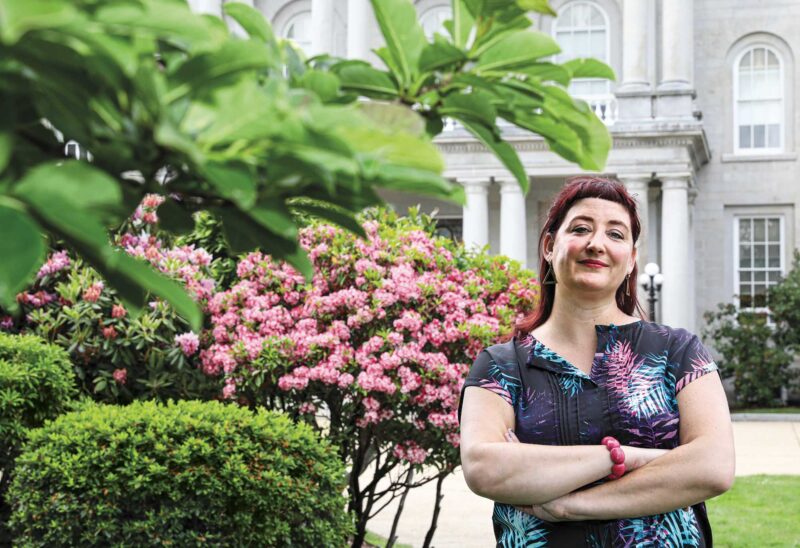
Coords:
758,251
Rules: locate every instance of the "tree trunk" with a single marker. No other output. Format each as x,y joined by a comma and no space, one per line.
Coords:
436,508
392,534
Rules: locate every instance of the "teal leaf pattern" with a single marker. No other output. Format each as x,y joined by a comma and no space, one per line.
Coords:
519,529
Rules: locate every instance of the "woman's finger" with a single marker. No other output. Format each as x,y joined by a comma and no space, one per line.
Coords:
511,436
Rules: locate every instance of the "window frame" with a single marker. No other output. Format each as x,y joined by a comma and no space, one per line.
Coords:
737,218
425,9
737,149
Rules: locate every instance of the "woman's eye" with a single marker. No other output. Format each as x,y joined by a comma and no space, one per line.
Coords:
580,229
617,235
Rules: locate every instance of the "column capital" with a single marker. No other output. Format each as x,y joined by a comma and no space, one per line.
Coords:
474,184
635,180
508,185
678,181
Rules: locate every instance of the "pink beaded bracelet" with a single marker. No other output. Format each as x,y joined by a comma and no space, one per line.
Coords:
617,457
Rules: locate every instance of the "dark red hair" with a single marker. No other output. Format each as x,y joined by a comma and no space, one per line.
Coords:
578,188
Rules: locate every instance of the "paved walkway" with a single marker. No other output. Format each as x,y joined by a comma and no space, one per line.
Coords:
465,518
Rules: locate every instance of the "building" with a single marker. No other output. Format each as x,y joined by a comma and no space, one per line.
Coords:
703,121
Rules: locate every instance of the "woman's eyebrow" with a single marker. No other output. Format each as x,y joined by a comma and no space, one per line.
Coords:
591,220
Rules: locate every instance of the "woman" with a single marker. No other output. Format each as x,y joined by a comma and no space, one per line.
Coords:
623,433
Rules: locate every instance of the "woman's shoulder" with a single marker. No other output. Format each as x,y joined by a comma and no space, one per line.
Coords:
671,338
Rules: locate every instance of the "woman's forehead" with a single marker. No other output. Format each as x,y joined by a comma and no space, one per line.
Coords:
598,209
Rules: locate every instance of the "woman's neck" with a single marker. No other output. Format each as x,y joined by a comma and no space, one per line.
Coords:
572,315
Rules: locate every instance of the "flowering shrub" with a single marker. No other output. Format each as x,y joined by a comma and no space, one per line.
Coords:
377,346
120,356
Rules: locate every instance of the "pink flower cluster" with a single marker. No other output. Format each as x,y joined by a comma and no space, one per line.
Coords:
389,322
58,261
146,212
188,343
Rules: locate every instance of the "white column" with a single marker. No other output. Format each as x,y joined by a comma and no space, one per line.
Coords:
475,229
634,46
322,24
677,38
513,240
359,22
638,186
676,297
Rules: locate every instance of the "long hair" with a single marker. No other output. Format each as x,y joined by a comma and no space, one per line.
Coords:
578,188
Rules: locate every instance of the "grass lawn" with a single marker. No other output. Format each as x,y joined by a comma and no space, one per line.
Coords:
377,540
759,511
769,410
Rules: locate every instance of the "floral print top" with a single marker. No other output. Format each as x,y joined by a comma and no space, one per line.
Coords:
631,394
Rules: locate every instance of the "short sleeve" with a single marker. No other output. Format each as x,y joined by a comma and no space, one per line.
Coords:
692,360
500,378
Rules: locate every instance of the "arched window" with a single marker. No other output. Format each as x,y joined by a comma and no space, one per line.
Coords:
758,100
581,29
298,29
432,20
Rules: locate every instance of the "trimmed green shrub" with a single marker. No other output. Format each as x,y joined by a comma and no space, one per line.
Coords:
36,384
183,474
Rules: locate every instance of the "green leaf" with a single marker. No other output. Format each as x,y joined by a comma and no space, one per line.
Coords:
405,179
539,6
403,34
333,214
234,182
324,84
6,146
393,117
589,68
252,21
490,136
461,24
275,218
20,16
174,218
439,54
23,249
73,183
206,69
547,72
476,105
517,49
363,79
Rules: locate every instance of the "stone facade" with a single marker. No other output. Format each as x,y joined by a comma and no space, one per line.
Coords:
674,118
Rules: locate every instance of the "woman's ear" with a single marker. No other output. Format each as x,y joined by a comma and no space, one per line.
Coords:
547,246
632,262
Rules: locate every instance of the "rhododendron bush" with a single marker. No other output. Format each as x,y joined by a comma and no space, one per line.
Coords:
375,350
118,355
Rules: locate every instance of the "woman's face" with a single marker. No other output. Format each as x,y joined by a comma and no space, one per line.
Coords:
593,249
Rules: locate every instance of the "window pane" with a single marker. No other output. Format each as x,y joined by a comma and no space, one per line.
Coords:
759,85
769,111
745,230
744,137
774,230
760,299
597,43
582,15
774,256
744,276
759,230
746,115
745,301
774,276
746,60
759,259
759,136
744,256
773,82
774,136
758,58
745,84
772,60
760,276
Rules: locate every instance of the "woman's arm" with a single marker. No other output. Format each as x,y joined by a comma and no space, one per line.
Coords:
522,473
700,468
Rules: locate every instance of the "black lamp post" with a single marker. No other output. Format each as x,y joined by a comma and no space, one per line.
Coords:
651,281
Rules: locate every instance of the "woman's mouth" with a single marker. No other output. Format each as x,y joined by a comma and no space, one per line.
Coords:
593,264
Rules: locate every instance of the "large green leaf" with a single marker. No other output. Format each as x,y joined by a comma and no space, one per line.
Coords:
547,72
203,70
517,49
490,137
403,34
74,184
252,21
22,247
175,218
324,84
234,182
393,117
363,79
20,16
405,179
461,24
476,105
331,213
589,68
539,6
6,146
439,54
274,217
